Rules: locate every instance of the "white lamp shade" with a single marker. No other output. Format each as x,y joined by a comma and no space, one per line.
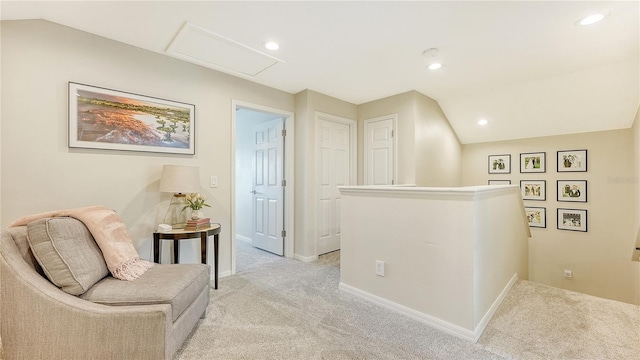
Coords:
180,179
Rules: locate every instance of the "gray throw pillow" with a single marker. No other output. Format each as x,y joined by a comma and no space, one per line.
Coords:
67,252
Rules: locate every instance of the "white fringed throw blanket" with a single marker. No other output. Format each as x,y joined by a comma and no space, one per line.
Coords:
110,234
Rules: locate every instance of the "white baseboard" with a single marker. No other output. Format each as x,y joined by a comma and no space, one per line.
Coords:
224,274
243,238
487,317
433,321
305,258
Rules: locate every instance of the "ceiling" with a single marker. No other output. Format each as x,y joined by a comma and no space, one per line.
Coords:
524,66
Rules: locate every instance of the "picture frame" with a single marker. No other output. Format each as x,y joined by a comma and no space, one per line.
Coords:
500,164
536,216
499,182
533,162
572,160
572,190
101,118
533,190
572,219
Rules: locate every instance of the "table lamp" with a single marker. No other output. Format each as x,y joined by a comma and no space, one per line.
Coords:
179,180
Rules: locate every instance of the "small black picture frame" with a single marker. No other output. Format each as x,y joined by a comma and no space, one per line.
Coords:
533,190
572,219
533,162
499,182
571,190
572,160
536,216
500,164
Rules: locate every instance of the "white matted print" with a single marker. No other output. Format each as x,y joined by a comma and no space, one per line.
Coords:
533,189
572,161
536,216
533,162
572,190
500,164
102,118
572,219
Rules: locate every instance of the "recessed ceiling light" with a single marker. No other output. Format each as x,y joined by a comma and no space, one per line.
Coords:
483,122
591,19
271,45
434,66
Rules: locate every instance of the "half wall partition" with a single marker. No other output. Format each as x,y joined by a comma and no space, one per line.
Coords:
449,255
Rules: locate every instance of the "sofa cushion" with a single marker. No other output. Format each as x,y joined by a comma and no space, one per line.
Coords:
67,252
19,236
174,284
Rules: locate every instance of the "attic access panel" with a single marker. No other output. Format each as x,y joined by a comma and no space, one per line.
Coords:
203,47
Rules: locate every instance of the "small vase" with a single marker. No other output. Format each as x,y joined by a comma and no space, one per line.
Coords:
197,214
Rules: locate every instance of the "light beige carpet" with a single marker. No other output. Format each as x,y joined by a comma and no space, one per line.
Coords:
276,308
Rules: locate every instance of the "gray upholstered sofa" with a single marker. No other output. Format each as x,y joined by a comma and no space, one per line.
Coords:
86,313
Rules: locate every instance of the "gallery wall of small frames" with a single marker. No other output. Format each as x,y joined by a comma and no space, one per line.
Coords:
570,191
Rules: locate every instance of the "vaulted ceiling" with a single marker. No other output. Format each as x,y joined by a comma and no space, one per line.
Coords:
525,67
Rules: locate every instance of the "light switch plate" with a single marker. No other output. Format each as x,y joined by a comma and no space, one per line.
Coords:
213,181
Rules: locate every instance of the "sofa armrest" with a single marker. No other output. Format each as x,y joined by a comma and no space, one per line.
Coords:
37,320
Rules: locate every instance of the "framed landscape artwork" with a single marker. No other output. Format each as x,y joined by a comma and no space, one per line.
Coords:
572,161
536,216
533,189
533,162
572,190
499,164
102,118
572,219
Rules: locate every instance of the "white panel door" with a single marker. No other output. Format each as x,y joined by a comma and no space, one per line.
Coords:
268,190
334,170
379,149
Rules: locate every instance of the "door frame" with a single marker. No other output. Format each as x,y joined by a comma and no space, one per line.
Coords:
353,159
289,199
365,146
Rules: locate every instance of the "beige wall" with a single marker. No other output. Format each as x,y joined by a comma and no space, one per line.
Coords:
438,150
309,102
599,258
428,150
636,162
636,159
0,132
636,180
39,171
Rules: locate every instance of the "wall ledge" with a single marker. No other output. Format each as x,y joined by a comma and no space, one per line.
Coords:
463,193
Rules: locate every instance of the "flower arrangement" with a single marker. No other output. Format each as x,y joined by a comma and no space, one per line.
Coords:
196,201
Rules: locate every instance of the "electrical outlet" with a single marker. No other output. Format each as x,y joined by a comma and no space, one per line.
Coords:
379,268
568,274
